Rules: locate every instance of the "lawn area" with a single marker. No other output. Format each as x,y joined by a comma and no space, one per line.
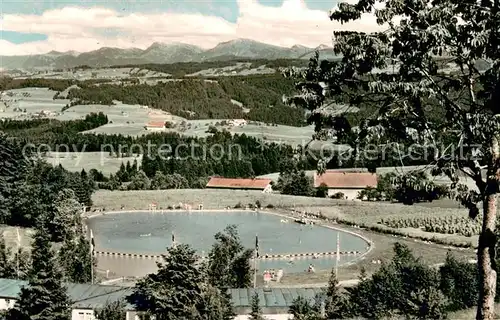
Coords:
471,313
210,198
102,161
374,215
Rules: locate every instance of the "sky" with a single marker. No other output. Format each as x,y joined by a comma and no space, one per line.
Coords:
30,27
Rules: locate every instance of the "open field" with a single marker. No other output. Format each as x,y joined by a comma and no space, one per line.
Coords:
210,198
142,74
97,73
15,101
376,214
239,69
131,119
15,237
128,119
102,161
34,100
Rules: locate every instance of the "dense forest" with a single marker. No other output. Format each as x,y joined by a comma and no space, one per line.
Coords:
30,186
202,99
49,131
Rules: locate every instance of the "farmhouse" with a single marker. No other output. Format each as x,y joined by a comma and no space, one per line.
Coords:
86,298
237,122
348,183
240,184
155,126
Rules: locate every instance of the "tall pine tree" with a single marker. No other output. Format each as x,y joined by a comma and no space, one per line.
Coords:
336,304
7,269
13,168
256,313
229,261
45,296
175,291
76,260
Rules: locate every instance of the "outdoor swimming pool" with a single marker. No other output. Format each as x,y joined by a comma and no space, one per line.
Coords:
150,233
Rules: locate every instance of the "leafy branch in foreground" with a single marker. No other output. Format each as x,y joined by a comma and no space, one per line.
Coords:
399,74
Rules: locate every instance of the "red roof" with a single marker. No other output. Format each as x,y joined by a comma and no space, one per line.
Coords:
340,179
156,124
238,183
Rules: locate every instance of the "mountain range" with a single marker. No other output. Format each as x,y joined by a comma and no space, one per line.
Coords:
162,53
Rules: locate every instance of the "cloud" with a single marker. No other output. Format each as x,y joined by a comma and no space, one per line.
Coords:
85,29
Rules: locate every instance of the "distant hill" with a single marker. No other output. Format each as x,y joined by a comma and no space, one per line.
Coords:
161,53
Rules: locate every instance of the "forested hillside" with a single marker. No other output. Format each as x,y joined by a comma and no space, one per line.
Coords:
181,69
190,98
200,99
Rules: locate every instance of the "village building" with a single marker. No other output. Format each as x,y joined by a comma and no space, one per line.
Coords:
237,122
86,298
155,126
263,185
345,182
44,113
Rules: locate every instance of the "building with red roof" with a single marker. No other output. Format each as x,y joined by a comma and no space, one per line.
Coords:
347,182
155,126
240,184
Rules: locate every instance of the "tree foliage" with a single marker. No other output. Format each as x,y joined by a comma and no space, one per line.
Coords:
203,99
295,183
459,282
7,265
112,311
229,261
304,309
256,312
399,74
336,303
405,286
30,189
45,295
407,188
179,290
76,260
174,292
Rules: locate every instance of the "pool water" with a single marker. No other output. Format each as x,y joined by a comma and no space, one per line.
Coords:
151,233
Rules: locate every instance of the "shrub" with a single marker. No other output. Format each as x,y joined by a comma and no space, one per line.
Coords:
338,195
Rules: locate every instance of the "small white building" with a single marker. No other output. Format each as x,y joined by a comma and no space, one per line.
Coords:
350,183
237,122
85,297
